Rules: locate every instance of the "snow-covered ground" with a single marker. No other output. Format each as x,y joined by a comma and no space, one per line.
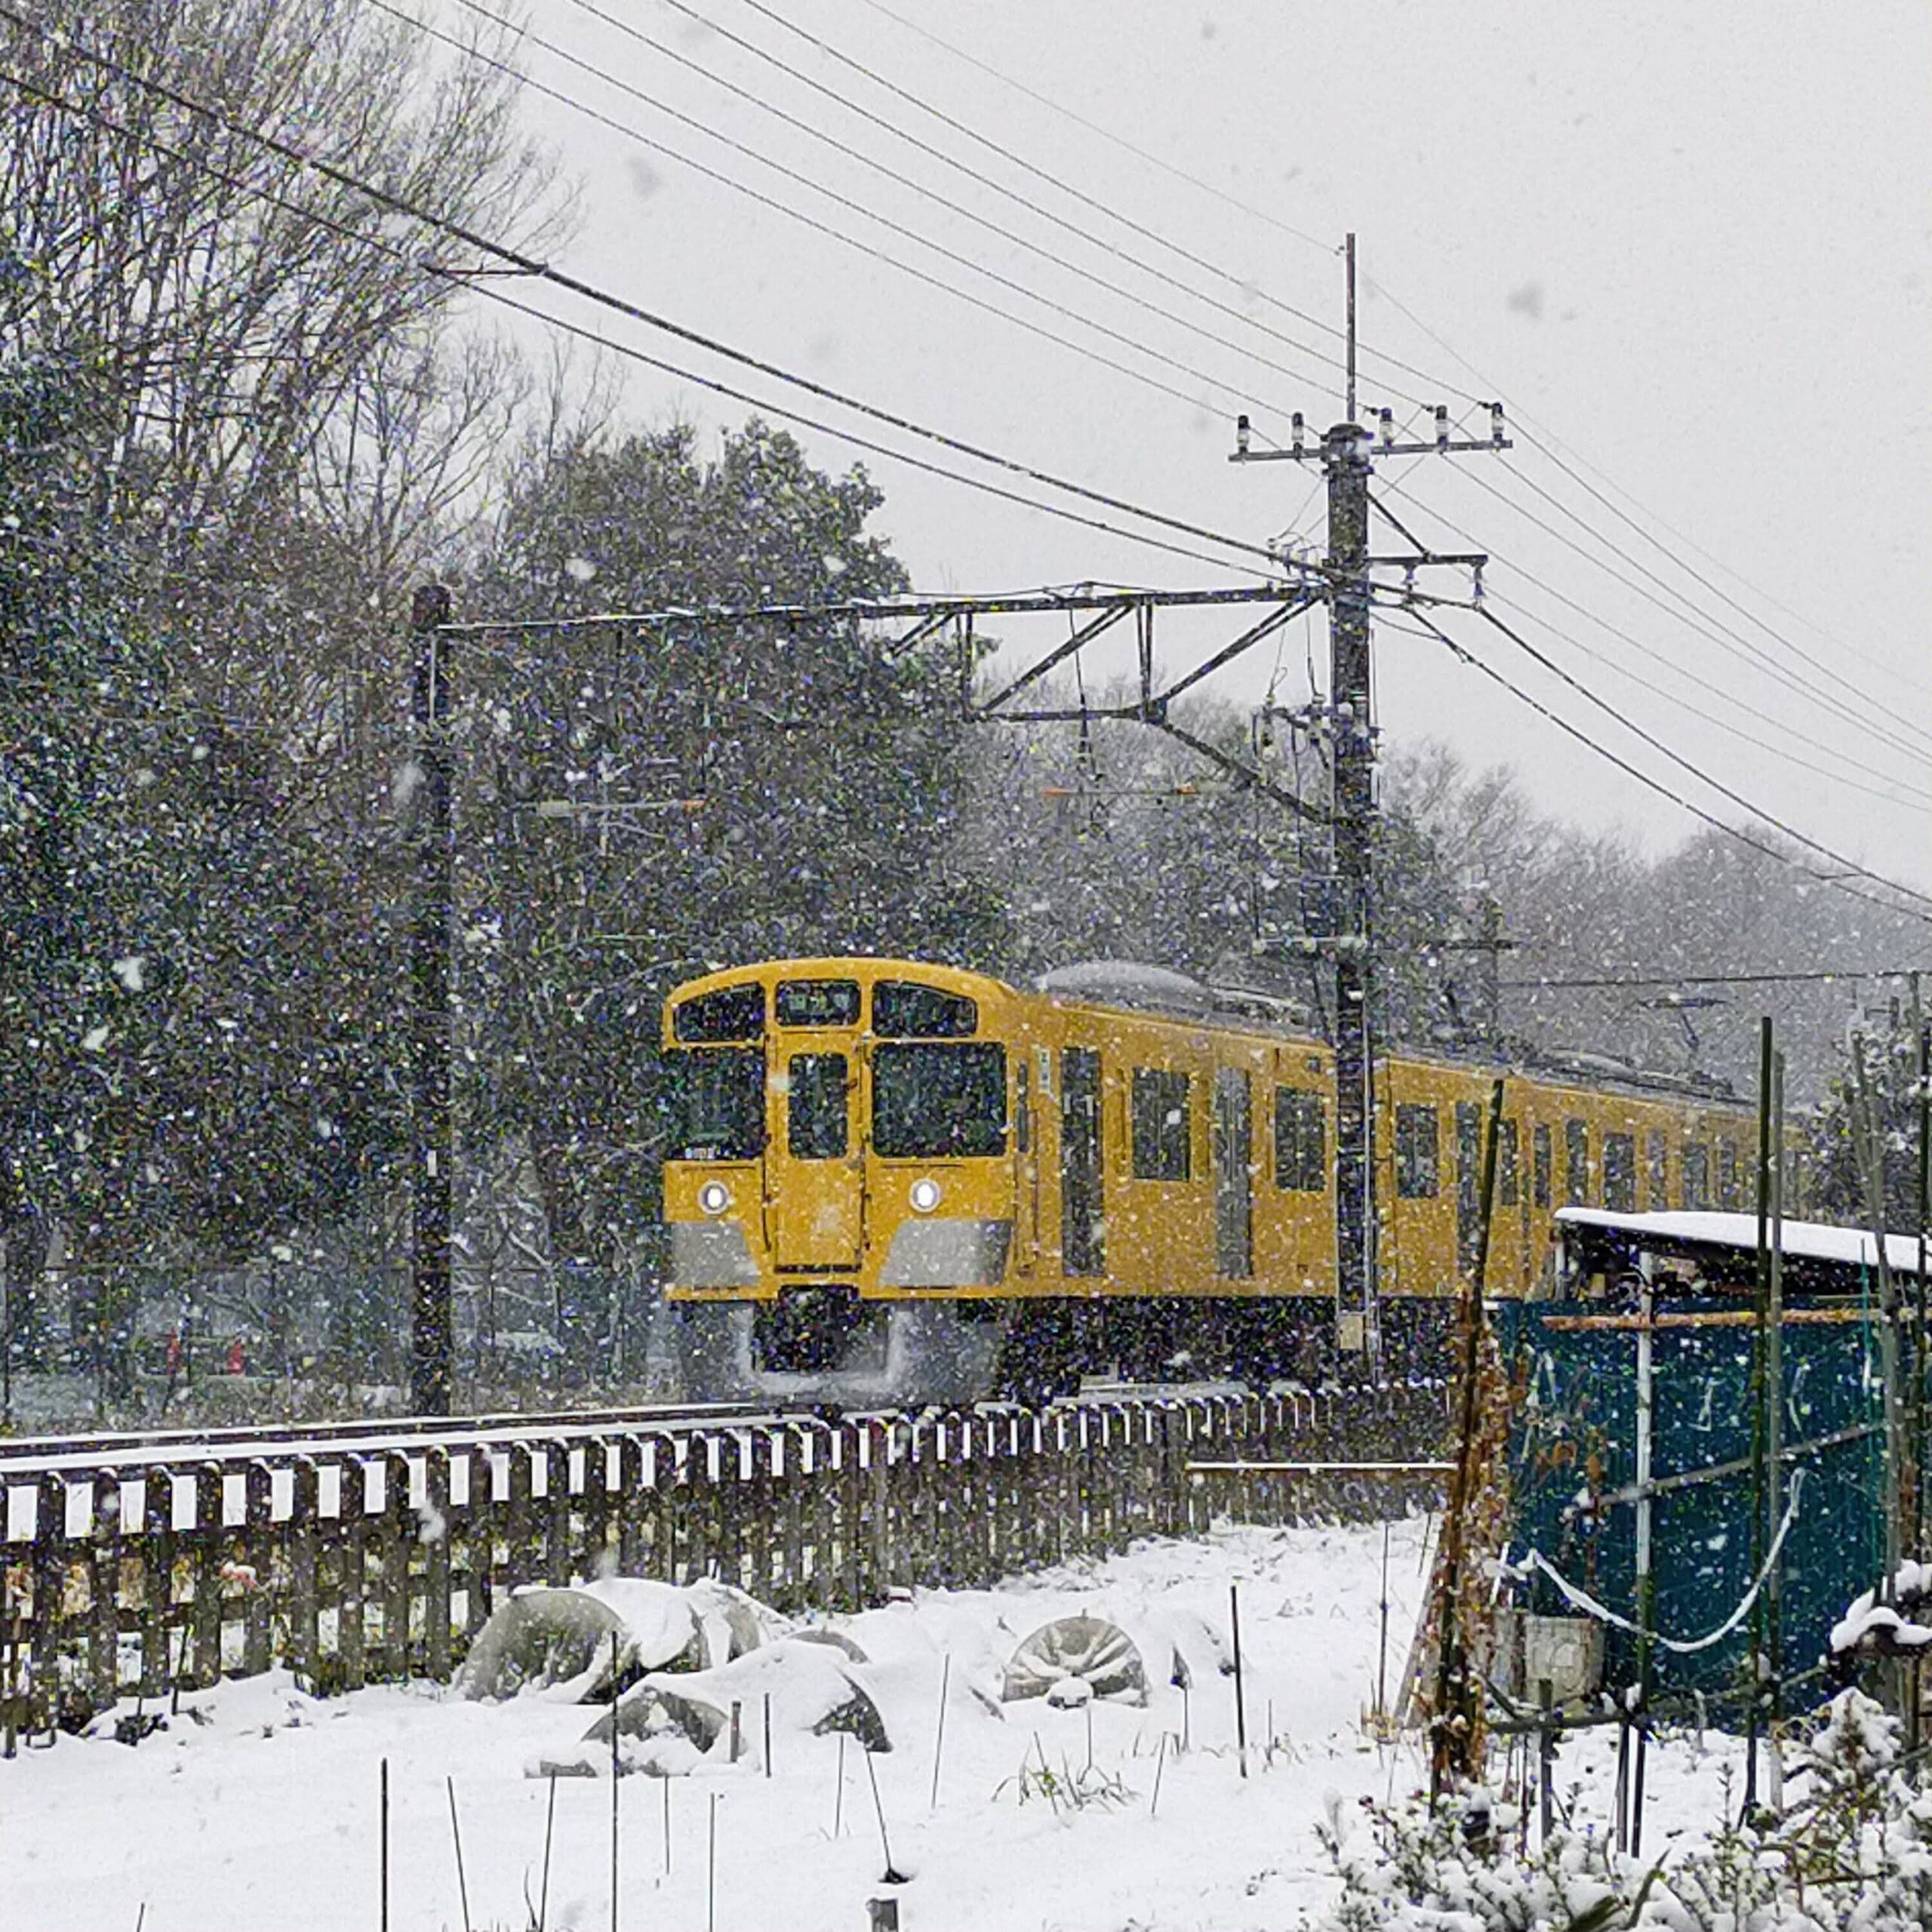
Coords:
262,1813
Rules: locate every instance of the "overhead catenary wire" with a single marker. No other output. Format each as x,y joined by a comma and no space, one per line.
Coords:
1683,764
818,187
1796,686
542,271
1544,440
1838,882
1721,633
1837,775
1538,435
1033,207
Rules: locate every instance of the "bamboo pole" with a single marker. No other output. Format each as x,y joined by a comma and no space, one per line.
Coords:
1449,1753
1922,1088
1872,1150
1760,1345
1774,1426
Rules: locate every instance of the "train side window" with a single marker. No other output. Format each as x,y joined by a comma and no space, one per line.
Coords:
1729,1194
1620,1173
1508,1182
1656,1161
815,1109
1576,1162
1418,1159
1301,1141
1160,1135
1543,1164
1022,1104
1697,1174
904,1010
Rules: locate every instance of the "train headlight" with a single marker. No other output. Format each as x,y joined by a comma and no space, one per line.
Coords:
714,1197
924,1195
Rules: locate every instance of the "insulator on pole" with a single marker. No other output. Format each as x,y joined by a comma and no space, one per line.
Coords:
1241,434
1442,426
1496,423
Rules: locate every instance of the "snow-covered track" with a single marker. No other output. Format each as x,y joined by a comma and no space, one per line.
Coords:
23,1454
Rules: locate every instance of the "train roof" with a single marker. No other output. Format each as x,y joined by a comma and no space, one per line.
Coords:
1698,1231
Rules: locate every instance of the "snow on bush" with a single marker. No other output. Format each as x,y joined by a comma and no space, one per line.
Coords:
1852,1853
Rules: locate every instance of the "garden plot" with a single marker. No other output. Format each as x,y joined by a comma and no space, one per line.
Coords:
1120,1802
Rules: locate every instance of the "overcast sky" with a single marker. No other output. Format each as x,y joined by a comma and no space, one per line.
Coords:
1688,245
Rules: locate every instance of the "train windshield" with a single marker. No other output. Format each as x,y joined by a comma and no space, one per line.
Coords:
721,1114
726,1013
932,1102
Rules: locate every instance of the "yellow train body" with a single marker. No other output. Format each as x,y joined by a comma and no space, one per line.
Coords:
1045,1182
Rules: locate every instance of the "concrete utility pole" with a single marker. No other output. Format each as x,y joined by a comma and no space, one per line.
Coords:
1346,454
432,1327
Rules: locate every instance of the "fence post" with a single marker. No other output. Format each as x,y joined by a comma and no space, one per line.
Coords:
104,1591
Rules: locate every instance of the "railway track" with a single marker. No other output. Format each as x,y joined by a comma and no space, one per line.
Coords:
22,1454
21,1458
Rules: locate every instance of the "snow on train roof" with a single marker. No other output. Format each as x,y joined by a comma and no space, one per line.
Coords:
1128,983
1806,1240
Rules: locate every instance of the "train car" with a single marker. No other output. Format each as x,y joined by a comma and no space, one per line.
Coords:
896,1183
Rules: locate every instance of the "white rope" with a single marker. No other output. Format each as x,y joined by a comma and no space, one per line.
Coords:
1582,1600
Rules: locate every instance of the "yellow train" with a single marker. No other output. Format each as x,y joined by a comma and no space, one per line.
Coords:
898,1182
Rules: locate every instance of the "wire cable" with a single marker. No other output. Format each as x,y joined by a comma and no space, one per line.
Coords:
1777,671
1538,435
973,174
1181,174
1837,882
1543,439
1656,744
1215,384
1714,629
540,271
1836,776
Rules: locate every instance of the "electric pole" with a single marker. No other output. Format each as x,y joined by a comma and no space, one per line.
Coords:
1346,454
432,1329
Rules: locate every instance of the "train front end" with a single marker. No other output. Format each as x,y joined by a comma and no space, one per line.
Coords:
841,1191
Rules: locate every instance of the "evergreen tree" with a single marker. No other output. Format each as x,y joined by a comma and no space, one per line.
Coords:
650,801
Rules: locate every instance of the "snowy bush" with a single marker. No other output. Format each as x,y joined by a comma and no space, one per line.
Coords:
1852,1853
1449,1870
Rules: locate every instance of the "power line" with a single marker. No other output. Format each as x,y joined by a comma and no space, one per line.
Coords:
1839,883
1007,154
1780,675
1551,448
1167,167
1818,975
540,271
1677,758
1535,433
820,188
1836,776
1720,692
1716,630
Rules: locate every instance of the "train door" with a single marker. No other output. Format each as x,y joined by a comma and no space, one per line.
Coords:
1026,1164
1082,1200
814,1175
1234,1201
